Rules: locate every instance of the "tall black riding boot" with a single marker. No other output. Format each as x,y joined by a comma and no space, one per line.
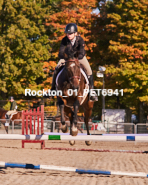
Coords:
93,95
7,120
53,87
7,116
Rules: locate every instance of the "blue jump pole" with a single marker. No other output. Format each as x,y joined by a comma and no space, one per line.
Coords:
71,169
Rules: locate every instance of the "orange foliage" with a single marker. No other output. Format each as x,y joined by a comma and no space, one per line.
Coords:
79,12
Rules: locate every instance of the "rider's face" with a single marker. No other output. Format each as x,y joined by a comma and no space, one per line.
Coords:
71,36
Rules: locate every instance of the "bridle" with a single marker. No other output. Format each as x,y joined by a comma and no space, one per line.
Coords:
77,77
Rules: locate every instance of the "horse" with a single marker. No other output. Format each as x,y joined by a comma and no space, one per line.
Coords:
74,85
3,112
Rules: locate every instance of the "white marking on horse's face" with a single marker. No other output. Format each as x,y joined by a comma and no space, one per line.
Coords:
72,65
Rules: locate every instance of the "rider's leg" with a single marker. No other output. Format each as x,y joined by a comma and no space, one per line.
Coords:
7,115
93,95
85,63
55,74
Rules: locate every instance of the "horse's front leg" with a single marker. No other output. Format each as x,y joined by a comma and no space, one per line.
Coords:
6,128
64,127
74,129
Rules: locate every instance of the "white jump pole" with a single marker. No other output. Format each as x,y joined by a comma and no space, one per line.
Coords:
76,138
71,169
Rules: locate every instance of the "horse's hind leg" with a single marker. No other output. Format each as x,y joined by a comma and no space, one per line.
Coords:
86,120
88,112
71,142
79,128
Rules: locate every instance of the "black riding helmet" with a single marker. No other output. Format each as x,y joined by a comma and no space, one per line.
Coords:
11,97
71,28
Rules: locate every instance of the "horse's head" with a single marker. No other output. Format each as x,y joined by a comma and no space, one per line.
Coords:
72,66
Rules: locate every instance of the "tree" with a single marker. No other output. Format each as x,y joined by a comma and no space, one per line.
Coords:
123,47
79,12
24,44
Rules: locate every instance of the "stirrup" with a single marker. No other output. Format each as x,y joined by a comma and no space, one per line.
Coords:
93,96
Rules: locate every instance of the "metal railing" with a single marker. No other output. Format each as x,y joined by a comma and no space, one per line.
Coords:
127,128
122,128
48,125
55,125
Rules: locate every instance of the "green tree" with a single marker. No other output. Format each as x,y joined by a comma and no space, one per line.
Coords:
24,44
123,47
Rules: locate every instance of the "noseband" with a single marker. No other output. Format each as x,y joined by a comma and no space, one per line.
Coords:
77,77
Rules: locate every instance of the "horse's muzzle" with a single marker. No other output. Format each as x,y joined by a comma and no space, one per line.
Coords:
75,87
75,82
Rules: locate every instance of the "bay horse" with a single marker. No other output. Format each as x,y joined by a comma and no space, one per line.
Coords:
72,81
15,116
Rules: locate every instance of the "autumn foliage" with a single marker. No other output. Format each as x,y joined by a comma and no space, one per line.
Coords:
123,41
117,38
79,12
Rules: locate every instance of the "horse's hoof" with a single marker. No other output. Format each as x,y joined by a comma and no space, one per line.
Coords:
74,133
72,142
88,143
64,128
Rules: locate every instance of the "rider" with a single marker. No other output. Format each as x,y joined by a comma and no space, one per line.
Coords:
12,108
77,44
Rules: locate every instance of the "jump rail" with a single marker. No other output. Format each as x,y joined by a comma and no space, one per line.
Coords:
30,116
138,138
71,169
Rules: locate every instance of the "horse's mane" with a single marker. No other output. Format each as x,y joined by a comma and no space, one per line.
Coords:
69,53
